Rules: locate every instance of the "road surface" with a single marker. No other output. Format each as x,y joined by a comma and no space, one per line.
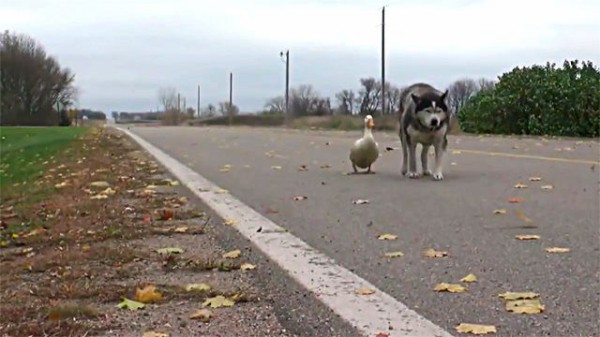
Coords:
455,215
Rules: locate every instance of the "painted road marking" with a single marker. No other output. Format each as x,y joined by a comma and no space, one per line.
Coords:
529,156
332,284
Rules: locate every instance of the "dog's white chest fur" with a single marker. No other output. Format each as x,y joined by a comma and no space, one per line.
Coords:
427,138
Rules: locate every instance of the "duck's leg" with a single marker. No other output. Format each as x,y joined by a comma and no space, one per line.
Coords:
369,170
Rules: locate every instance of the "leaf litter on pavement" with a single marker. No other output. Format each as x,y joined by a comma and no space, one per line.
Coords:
522,302
387,236
147,294
432,253
450,287
475,329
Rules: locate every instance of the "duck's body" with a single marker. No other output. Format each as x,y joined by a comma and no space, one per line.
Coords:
365,151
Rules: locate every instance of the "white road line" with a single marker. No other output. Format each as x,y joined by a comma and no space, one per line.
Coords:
332,284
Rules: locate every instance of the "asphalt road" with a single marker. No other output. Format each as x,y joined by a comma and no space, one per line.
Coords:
454,215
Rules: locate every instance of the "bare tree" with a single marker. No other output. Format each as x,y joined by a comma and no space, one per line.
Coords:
393,99
191,112
345,100
484,84
459,93
35,89
275,105
168,98
224,109
369,96
303,100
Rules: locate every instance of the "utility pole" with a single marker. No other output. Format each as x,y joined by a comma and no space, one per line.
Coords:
383,105
198,109
287,83
230,98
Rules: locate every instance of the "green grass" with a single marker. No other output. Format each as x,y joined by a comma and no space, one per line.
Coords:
25,152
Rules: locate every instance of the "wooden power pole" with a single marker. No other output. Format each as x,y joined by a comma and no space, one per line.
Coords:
383,105
230,98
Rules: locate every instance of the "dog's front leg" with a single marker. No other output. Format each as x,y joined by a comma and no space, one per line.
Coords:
439,157
424,166
412,160
403,140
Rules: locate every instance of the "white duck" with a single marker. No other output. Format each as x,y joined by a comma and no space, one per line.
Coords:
365,150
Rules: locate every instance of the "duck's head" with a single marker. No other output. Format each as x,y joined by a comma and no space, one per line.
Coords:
369,123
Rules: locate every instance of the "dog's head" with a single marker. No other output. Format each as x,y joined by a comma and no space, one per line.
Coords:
431,110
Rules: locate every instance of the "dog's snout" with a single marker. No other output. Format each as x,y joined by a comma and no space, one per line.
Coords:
434,122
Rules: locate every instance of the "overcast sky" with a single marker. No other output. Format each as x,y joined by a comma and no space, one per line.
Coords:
123,51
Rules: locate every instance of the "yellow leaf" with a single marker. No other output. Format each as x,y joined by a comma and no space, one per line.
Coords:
232,254
535,178
387,237
364,291
181,229
247,266
99,197
394,254
469,278
197,287
547,187
520,186
147,294
449,287
501,211
557,250
218,302
85,247
154,334
527,237
511,295
476,329
529,306
434,253
203,315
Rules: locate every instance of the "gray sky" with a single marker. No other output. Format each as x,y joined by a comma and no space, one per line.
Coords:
123,51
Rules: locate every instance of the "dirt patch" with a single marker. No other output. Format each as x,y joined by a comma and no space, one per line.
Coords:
100,236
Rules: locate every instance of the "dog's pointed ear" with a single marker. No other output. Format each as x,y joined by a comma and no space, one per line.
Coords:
415,98
444,95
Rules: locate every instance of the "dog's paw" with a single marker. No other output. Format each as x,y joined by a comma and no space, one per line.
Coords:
427,172
438,176
404,170
413,175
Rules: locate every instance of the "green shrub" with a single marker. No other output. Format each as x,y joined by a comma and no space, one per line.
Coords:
538,100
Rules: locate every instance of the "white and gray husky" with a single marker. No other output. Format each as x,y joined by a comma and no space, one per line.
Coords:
424,119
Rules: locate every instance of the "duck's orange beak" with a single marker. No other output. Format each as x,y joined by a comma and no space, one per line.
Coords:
370,124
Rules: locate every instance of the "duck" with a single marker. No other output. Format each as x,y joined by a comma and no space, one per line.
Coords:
365,150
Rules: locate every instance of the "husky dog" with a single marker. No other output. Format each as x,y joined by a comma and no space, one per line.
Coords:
424,119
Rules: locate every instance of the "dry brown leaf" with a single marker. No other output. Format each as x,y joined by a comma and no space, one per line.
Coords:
181,229
364,291
529,306
535,178
450,287
234,254
476,329
500,211
557,250
434,253
165,214
34,232
520,186
203,315
387,236
147,294
218,302
393,254
547,187
527,237
247,266
469,278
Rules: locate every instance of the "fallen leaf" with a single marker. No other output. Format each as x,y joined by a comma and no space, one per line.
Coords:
130,304
476,329
234,254
203,315
165,214
512,295
535,178
247,266
197,287
469,278
169,250
218,302
527,237
99,197
154,334
300,197
181,229
100,184
326,166
364,291
528,306
450,287
34,232
221,191
434,253
520,186
547,187
230,222
303,168
360,201
387,237
557,250
393,254
521,216
276,167
515,200
171,182
500,211
61,185
147,294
